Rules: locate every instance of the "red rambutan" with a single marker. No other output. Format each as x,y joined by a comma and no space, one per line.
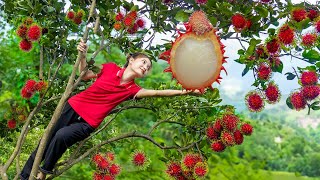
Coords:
254,101
312,14
189,161
217,126
22,31
201,1
97,158
26,94
117,26
298,101
310,92
211,133
248,24
246,129
264,72
141,23
299,14
200,169
260,51
12,124
70,15
25,45
139,158
199,22
30,85
41,86
108,177
229,122
103,164
128,21
272,93
309,78
238,21
273,46
133,29
286,34
119,16
110,156
218,146
227,138
97,176
114,169
309,39
34,32
77,20
133,15
238,137
173,169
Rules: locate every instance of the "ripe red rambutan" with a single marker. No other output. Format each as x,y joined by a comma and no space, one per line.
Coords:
173,169
139,158
274,61
114,169
22,31
110,156
97,158
71,15
230,122
189,161
34,32
254,101
264,72
28,21
286,34
200,169
12,124
238,21
211,133
272,93
312,14
26,94
298,101
30,85
309,78
41,86
309,39
310,92
141,23
103,164
133,15
199,22
128,21
246,129
317,26
201,1
77,20
238,137
218,146
117,26
260,51
119,16
248,24
299,14
25,45
133,29
217,126
273,46
227,138
108,177
97,176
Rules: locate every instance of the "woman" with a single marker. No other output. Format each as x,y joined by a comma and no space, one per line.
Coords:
84,112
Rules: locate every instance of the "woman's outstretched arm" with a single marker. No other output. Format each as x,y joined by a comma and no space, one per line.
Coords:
167,92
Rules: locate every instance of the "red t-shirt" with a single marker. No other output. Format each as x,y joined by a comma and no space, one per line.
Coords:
95,103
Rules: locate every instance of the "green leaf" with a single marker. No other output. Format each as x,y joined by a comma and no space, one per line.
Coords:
311,55
241,52
181,16
245,71
290,76
262,11
288,102
315,108
271,31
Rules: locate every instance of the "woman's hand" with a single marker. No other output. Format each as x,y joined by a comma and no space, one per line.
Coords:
192,92
82,46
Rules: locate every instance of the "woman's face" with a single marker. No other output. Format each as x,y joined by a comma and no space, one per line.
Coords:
141,66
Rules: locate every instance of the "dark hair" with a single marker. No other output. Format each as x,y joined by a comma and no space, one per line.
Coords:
135,56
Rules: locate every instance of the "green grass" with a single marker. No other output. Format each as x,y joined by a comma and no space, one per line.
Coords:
279,175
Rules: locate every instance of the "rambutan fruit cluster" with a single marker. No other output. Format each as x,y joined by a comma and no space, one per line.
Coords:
240,23
227,131
76,17
29,32
309,91
191,166
131,22
16,114
31,87
106,168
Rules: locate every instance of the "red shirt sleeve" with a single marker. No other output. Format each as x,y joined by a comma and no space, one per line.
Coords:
134,89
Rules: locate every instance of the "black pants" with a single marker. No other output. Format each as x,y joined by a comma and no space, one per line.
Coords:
70,128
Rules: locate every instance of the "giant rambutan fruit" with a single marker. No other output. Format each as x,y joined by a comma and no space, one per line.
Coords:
264,72
12,124
273,46
254,101
272,93
34,32
200,169
25,45
312,14
298,101
309,78
310,92
246,129
309,39
218,146
229,122
238,21
199,22
173,169
299,14
22,31
286,35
